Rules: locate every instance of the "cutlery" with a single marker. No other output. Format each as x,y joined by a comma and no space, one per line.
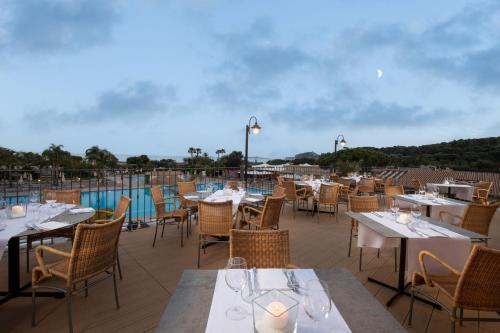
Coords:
295,282
439,232
255,280
377,214
421,234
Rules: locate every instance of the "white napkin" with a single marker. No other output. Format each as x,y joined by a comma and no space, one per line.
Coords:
81,210
190,197
51,225
253,199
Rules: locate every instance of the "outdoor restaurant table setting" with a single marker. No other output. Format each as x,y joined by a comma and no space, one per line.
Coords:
273,300
422,235
461,191
236,197
38,217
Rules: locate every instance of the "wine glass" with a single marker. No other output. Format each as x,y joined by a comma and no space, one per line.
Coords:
236,278
394,207
415,212
316,301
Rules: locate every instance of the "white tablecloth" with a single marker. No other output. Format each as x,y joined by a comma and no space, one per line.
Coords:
226,195
454,249
461,191
224,297
36,214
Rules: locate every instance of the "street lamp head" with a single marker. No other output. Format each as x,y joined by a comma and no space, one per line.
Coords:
256,128
343,142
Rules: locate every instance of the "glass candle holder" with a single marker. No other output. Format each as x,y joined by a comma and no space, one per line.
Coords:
275,312
17,210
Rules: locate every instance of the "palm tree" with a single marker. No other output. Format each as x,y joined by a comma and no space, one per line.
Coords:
93,155
54,154
198,152
191,151
219,152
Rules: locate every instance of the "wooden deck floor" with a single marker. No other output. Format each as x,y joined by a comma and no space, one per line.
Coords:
151,275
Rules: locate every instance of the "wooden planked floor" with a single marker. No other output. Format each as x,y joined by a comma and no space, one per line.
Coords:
151,275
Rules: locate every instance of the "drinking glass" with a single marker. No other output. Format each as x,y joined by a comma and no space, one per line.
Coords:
415,212
236,278
394,207
316,301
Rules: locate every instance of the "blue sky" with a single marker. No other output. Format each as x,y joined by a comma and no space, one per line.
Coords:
157,77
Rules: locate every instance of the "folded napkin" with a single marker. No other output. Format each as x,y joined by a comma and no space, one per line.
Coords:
51,225
253,199
81,210
191,197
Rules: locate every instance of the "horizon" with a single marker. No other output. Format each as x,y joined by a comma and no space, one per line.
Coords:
122,75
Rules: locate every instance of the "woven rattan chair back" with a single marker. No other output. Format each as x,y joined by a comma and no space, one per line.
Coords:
390,192
477,218
186,187
215,218
280,180
94,249
66,196
271,212
290,190
328,194
158,200
478,287
417,184
345,182
363,203
122,207
366,186
389,181
261,249
233,184
334,178
278,191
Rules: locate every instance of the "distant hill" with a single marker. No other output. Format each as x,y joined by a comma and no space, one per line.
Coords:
307,155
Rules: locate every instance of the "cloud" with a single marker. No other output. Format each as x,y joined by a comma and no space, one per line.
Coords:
142,98
40,26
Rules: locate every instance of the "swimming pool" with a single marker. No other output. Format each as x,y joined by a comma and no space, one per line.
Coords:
141,206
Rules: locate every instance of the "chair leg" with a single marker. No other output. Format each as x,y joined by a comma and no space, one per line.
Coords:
460,320
156,231
70,315
395,259
28,247
119,266
86,283
182,234
199,250
360,257
33,307
163,228
412,300
378,253
337,213
115,288
453,319
350,244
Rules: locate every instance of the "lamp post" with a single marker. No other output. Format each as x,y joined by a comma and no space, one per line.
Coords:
255,130
342,143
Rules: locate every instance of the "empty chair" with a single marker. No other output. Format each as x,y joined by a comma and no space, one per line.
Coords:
120,209
476,218
184,188
278,191
61,196
280,180
165,216
482,192
476,287
261,249
294,195
268,217
390,192
328,196
334,178
417,185
215,221
366,186
233,185
93,255
362,204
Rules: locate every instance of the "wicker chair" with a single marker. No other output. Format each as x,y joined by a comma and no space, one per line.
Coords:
280,180
334,178
390,192
278,191
482,192
366,186
476,287
233,184
363,204
476,218
328,196
163,216
417,185
120,209
294,196
261,249
268,217
64,196
93,254
216,219
346,192
183,189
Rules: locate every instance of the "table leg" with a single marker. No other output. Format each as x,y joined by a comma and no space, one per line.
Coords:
428,211
401,288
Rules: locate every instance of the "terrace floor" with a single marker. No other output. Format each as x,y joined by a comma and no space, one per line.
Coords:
151,275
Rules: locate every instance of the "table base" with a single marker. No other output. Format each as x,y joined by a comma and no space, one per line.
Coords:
402,293
7,296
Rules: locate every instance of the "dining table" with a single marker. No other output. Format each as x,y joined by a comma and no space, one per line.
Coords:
460,191
445,240
191,305
433,205
41,219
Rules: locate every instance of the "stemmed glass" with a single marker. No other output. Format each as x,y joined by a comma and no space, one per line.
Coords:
316,301
415,212
394,207
236,278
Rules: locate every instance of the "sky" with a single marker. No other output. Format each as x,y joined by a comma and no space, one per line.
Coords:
157,77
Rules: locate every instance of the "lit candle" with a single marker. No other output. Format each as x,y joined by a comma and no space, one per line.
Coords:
17,211
277,316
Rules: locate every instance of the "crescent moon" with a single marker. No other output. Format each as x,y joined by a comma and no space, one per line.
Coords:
379,73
